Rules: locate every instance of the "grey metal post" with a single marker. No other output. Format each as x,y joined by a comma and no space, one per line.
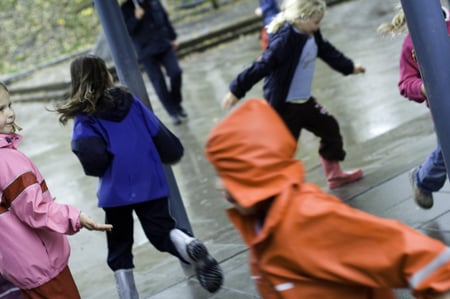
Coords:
129,74
431,42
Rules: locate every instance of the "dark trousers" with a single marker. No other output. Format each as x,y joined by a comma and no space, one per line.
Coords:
156,222
313,117
153,64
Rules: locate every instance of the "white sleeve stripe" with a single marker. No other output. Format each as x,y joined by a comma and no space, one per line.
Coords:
284,286
422,274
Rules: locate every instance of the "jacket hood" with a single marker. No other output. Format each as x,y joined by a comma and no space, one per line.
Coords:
118,108
10,140
252,151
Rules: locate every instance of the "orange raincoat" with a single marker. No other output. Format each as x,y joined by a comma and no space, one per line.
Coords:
310,244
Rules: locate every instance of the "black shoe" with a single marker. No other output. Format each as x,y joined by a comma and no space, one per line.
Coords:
175,120
207,270
182,113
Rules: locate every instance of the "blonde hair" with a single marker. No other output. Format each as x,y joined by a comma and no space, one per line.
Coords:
396,26
398,23
291,10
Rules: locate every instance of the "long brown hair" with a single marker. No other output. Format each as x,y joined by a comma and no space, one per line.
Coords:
90,80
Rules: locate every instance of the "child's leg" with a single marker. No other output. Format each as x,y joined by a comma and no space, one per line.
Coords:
120,239
322,124
427,178
160,229
293,116
61,287
157,223
432,174
331,149
120,243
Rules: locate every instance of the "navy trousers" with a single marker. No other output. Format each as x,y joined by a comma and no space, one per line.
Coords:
313,117
170,97
156,222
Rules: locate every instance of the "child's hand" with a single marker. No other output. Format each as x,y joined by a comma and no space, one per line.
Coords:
229,100
422,89
358,69
90,224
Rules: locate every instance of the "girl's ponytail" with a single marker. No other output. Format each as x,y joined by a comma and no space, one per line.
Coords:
396,26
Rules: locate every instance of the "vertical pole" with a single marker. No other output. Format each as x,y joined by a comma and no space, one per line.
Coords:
431,42
129,74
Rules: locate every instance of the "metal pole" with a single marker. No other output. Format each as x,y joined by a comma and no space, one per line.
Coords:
431,42
129,75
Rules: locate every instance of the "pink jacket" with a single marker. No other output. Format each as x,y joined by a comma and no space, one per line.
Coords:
410,78
33,247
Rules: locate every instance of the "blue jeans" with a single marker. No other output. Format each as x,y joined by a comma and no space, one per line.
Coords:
431,175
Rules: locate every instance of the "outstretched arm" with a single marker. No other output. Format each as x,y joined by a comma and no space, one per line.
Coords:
90,224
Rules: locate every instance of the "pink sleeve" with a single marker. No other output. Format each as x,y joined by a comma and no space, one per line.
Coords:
410,80
36,208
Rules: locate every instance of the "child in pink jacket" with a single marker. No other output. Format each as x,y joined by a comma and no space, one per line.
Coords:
35,251
431,175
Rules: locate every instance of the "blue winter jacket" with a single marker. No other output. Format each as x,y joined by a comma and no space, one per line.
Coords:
279,61
153,34
125,145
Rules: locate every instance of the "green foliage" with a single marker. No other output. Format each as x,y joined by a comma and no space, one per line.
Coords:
35,31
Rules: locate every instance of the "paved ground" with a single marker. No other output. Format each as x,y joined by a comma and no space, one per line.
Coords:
384,134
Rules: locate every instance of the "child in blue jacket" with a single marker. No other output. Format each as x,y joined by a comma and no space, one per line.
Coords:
121,141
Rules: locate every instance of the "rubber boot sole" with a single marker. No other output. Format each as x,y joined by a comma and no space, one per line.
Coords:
207,270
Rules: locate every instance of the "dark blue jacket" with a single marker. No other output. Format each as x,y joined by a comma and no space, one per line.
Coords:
278,62
154,33
124,144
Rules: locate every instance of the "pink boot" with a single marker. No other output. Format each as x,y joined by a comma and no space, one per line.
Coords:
336,177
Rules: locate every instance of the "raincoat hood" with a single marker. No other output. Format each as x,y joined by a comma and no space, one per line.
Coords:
252,151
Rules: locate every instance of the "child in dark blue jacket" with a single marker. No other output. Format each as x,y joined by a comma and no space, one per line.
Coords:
154,40
121,141
288,66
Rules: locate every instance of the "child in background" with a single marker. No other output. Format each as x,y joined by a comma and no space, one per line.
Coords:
268,9
155,42
35,251
288,66
121,141
305,243
431,175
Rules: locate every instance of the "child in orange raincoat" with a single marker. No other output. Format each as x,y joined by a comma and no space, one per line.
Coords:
305,243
